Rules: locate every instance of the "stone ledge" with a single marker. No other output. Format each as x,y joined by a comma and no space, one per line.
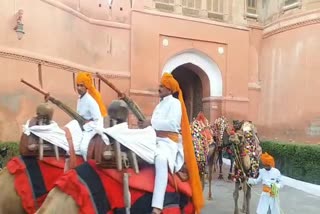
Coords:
289,23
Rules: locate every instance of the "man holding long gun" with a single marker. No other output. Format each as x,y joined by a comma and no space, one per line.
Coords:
89,116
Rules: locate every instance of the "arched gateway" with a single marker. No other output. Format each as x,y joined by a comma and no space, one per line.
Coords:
199,77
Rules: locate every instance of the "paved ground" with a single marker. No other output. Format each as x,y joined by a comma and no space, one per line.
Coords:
292,201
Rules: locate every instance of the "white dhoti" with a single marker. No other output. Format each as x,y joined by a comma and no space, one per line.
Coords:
162,152
81,139
170,155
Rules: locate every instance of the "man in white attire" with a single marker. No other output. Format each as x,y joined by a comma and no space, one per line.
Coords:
90,106
167,119
270,177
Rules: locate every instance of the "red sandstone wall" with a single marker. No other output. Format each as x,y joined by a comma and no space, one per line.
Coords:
62,37
18,102
289,67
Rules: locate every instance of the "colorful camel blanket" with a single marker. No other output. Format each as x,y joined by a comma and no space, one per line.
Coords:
97,190
33,179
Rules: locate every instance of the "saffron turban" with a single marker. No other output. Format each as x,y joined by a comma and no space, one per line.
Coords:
170,83
85,78
267,160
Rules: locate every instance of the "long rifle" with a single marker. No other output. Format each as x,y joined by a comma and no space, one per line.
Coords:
61,105
131,104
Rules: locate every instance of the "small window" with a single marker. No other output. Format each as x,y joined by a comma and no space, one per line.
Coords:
192,4
215,6
252,6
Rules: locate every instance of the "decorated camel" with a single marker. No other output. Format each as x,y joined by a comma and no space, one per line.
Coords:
247,150
27,179
220,132
209,142
202,138
113,187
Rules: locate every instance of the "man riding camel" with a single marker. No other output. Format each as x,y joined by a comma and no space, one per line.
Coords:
172,150
90,106
271,180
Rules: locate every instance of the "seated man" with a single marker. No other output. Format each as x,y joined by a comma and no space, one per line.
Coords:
90,106
168,118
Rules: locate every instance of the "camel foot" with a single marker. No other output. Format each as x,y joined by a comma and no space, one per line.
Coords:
230,177
236,211
210,198
220,177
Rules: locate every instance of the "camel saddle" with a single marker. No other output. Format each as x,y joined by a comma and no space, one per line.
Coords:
29,146
116,156
113,156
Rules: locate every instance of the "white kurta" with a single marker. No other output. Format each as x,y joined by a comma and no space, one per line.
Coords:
89,109
266,202
167,117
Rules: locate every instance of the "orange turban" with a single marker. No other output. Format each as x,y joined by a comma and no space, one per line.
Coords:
85,78
169,82
267,160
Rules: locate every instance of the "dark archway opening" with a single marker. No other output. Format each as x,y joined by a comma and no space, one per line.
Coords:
191,86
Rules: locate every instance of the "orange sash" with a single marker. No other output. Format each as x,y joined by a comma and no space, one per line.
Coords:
171,135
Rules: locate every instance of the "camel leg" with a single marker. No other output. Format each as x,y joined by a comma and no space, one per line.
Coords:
230,170
248,198
220,165
236,197
10,202
215,160
202,180
58,202
244,202
211,165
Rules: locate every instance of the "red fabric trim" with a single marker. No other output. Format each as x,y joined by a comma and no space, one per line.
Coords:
171,210
51,170
71,185
189,208
144,181
113,184
22,184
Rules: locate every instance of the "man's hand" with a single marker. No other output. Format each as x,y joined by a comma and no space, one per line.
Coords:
46,97
144,124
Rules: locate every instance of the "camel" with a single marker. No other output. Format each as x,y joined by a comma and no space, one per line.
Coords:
10,199
72,196
202,138
209,142
220,130
247,149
